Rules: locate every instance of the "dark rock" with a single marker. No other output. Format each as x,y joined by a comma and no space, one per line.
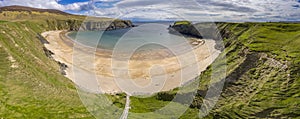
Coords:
63,67
185,29
76,25
42,39
105,25
48,53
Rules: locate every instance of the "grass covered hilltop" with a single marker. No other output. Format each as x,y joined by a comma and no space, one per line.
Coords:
262,80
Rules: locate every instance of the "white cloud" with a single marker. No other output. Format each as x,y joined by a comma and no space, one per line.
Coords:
204,10
196,10
45,4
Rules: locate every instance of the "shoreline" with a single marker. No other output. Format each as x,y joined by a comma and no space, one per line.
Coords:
96,72
163,53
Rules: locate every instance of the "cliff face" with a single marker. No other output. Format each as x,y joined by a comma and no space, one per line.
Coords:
104,25
185,29
200,30
75,25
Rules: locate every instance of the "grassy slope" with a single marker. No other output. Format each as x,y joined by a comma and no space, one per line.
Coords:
35,88
269,85
263,59
262,74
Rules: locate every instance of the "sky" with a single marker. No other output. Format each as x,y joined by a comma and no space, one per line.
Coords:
170,10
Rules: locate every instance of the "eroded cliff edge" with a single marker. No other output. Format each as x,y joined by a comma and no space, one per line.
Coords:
75,25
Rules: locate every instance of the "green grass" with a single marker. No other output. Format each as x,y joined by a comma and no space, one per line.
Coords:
35,89
265,90
144,105
2,21
182,23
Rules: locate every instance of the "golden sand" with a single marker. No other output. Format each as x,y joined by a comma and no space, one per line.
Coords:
147,73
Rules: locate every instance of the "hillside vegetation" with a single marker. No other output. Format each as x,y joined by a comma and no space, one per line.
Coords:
263,66
31,84
262,80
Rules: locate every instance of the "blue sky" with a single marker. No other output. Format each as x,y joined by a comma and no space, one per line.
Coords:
194,10
64,2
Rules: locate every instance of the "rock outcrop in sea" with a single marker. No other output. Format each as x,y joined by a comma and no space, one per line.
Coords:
185,28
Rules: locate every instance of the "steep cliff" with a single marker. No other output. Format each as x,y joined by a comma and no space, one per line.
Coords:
105,25
185,28
75,25
200,30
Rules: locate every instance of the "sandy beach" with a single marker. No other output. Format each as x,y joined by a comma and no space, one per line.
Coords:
98,72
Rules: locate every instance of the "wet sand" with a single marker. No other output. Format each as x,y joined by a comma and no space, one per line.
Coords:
148,72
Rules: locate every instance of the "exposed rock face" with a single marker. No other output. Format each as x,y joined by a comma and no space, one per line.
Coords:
200,30
105,25
207,30
75,25
63,67
186,29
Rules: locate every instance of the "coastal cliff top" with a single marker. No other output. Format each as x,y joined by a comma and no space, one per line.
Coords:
22,13
30,9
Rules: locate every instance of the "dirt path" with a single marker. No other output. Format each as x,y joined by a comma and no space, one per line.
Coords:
127,107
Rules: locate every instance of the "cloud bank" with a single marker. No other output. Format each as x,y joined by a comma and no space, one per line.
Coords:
194,10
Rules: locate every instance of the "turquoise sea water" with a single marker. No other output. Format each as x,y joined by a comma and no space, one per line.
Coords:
144,37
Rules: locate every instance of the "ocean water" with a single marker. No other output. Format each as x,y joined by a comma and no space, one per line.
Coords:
144,37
